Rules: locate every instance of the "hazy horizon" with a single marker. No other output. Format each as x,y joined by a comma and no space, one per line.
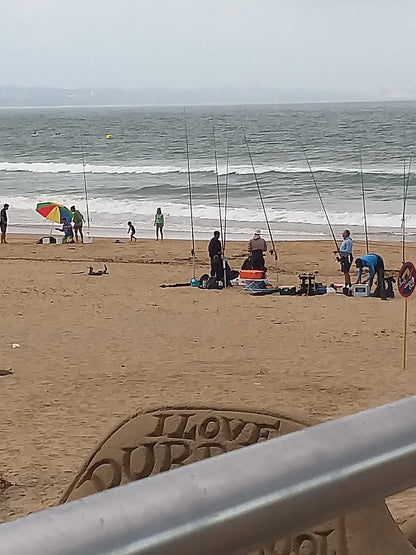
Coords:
351,48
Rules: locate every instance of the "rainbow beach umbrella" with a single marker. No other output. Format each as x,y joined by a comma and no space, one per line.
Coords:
54,212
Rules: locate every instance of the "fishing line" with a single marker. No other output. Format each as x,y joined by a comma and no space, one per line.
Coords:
226,192
85,181
320,198
406,179
218,183
190,194
259,191
364,206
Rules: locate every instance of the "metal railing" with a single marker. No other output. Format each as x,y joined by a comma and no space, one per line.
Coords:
239,500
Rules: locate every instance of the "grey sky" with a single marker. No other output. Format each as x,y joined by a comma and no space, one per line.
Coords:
346,45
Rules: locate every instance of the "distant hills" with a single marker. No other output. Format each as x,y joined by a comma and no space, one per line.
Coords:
48,96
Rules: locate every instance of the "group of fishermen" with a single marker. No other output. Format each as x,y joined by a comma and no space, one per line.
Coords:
257,247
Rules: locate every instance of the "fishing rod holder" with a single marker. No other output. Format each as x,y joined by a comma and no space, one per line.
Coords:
307,284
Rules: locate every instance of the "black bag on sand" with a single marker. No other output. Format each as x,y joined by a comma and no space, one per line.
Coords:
247,265
212,283
203,280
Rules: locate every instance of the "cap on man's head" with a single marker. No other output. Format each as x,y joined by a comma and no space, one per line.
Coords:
257,232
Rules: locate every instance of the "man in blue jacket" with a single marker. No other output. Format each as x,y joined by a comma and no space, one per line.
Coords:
375,265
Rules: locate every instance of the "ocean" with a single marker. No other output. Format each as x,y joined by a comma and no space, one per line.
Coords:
144,167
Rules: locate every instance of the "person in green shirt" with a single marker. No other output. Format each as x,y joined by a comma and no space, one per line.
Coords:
159,223
78,220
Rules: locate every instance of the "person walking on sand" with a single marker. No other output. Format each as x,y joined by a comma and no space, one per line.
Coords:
256,247
159,223
215,247
78,220
375,265
3,222
345,256
132,231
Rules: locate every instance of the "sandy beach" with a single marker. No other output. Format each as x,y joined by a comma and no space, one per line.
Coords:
95,349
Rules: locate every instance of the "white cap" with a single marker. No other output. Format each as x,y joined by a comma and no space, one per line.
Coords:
257,232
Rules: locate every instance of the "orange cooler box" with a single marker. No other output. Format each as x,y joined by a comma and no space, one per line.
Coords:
251,274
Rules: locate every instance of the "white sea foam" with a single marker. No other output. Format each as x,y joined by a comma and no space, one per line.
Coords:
113,213
174,167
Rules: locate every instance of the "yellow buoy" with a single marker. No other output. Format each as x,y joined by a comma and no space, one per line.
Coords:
109,137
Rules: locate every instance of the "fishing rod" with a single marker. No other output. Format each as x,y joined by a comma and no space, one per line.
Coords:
260,196
406,180
85,181
219,201
226,193
190,195
364,206
321,199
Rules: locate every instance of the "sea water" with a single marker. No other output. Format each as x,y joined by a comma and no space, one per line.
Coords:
145,166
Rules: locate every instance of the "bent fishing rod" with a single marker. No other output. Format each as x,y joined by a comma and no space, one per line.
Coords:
364,205
260,195
190,194
321,199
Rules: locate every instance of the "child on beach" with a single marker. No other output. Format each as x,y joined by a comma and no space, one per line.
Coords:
159,223
67,230
132,231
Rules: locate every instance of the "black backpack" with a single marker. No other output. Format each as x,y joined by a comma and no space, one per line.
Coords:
212,283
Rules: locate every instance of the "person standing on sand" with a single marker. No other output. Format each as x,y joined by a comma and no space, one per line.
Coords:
345,256
159,223
3,222
132,231
214,247
78,219
256,247
375,265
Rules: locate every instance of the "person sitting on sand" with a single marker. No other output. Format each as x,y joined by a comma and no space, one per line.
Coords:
3,222
217,270
132,231
256,247
214,247
159,223
78,219
67,229
375,265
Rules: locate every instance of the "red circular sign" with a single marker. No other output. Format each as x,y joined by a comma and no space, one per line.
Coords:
407,279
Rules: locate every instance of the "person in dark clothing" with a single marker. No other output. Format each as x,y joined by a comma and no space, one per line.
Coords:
214,247
375,265
3,222
217,270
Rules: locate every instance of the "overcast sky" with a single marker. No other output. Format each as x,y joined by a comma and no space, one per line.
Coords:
364,45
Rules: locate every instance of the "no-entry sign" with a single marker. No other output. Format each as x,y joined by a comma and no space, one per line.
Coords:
407,279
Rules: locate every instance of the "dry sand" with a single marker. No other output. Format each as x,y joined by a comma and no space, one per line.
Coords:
94,350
